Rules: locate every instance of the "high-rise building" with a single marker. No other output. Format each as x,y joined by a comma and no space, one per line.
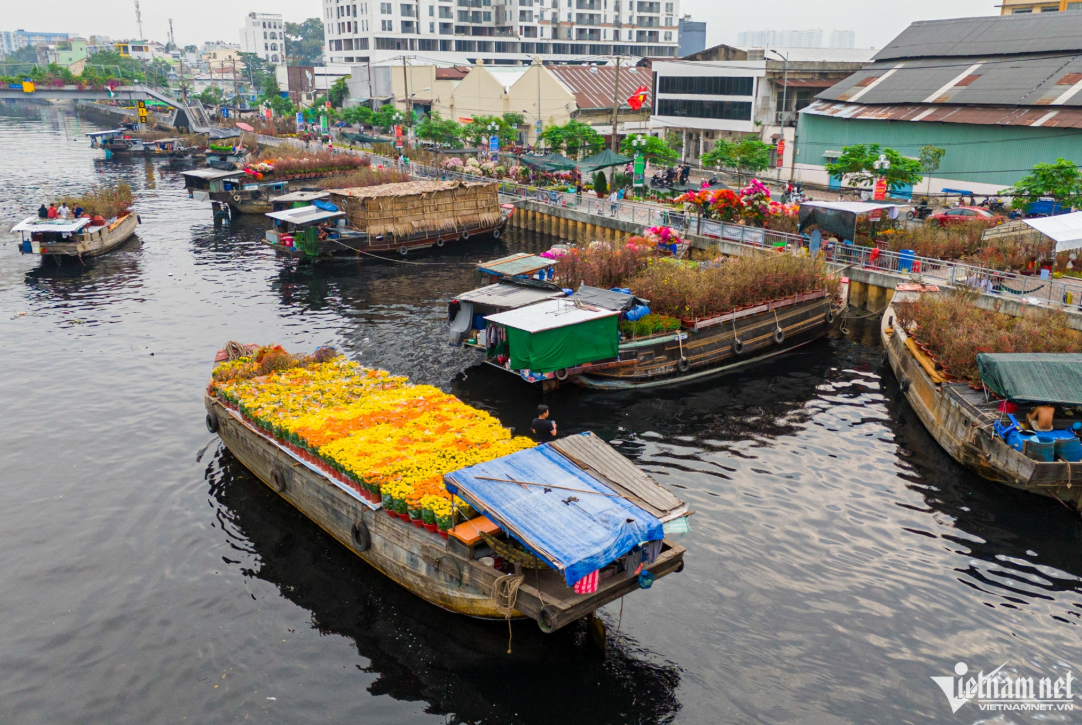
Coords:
692,36
843,39
498,32
780,38
263,35
757,38
800,38
11,41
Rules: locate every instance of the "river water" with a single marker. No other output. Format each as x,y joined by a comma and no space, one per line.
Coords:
838,558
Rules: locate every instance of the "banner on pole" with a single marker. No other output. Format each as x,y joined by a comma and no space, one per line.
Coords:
781,153
640,170
880,189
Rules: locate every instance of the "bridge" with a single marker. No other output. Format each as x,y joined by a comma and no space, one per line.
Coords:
191,115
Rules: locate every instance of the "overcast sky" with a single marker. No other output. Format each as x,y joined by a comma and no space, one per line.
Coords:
195,21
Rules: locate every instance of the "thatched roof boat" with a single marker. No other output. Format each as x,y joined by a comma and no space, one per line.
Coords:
412,209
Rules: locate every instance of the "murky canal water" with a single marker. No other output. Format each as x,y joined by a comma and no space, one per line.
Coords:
838,559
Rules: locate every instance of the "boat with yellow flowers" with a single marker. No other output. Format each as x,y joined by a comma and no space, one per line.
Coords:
439,496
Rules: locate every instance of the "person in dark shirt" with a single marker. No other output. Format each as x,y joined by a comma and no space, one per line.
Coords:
542,427
43,213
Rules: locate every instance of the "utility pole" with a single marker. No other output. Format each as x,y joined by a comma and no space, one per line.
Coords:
784,103
183,88
236,89
139,20
409,113
614,146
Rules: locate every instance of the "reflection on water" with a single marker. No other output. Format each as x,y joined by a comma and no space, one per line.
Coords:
422,653
838,557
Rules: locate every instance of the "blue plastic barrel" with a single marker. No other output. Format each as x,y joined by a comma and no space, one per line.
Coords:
905,260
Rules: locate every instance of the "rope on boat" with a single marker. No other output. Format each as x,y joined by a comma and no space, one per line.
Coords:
235,350
402,261
505,594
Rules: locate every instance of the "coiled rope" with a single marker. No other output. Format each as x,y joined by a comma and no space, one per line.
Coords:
505,594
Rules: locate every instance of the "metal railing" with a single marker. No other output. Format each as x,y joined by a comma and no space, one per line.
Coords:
1062,292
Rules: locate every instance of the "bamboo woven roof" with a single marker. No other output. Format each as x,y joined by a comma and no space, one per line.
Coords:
406,188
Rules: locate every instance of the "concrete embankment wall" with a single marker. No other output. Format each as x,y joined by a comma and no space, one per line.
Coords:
869,289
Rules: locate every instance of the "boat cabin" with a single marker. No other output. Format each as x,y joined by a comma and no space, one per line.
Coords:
164,146
201,183
466,313
309,230
38,232
298,199
550,339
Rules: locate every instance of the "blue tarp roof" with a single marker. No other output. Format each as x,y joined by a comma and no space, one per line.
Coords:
576,537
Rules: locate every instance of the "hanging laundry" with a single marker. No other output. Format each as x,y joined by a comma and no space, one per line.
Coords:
588,584
651,551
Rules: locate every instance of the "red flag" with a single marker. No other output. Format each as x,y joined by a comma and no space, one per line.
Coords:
638,98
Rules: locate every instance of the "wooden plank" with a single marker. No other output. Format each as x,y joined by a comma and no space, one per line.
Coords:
597,458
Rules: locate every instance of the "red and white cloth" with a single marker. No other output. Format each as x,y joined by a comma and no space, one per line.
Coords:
588,584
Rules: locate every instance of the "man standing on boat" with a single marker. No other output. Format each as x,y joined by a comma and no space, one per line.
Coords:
543,428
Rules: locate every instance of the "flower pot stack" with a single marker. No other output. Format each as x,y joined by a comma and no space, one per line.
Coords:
386,439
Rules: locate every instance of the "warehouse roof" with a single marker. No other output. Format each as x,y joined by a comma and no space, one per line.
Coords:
1035,80
595,86
950,113
987,36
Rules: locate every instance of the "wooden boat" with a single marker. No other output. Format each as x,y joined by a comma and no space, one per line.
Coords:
116,141
444,572
961,420
711,347
310,232
78,238
700,349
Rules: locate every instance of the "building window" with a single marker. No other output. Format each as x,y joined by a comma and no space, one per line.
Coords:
446,13
385,8
386,26
274,58
706,85
668,8
264,35
725,110
266,47
274,36
668,36
407,11
274,46
431,11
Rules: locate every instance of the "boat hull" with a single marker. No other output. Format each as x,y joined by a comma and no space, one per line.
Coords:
361,245
93,244
965,432
712,350
441,571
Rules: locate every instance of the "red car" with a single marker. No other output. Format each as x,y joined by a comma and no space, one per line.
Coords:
964,214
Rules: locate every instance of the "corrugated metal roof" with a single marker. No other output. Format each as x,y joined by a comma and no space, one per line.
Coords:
987,36
305,215
1042,80
549,316
600,460
985,116
509,296
516,264
595,86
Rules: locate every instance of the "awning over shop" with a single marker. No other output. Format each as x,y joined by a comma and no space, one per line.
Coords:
837,217
549,162
576,531
603,160
559,334
1054,378
1065,229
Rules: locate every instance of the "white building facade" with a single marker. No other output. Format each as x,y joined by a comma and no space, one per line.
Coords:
264,35
498,32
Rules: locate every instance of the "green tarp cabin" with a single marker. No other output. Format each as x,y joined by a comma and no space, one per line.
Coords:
559,334
1054,378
